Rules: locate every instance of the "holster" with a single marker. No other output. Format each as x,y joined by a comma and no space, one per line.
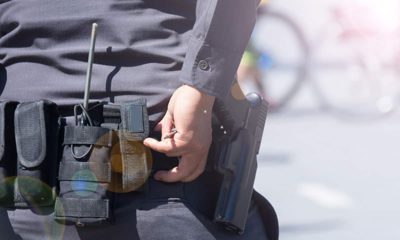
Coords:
97,161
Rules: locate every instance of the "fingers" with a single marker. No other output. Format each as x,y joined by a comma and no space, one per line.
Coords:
158,127
191,164
189,168
189,112
170,147
166,125
198,171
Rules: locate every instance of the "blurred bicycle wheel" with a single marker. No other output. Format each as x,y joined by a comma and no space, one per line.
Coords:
282,58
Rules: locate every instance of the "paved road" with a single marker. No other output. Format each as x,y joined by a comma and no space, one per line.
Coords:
331,179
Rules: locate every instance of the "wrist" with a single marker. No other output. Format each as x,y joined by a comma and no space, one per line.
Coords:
206,99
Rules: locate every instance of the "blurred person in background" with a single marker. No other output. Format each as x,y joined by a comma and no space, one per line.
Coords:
248,68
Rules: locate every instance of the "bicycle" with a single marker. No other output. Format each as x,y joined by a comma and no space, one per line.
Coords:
347,79
276,74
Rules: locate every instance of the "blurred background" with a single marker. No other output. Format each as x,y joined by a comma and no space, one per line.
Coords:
331,72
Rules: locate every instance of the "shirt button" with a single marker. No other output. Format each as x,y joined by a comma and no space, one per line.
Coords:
203,65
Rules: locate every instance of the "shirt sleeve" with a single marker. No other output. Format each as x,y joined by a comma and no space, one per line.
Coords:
219,36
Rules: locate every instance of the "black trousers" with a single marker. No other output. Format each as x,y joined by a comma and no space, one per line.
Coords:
158,211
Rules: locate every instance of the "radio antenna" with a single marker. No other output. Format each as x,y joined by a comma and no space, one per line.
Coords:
89,67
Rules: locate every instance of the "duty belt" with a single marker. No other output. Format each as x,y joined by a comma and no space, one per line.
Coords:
102,153
45,162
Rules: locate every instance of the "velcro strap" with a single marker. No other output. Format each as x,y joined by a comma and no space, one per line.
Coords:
131,118
88,135
134,120
85,171
134,164
82,208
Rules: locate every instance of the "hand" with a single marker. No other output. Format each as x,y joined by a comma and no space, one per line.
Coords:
189,112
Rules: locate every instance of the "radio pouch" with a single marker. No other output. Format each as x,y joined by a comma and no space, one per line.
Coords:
85,174
8,155
36,137
98,161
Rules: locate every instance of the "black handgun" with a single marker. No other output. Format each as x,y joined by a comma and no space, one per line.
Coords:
238,124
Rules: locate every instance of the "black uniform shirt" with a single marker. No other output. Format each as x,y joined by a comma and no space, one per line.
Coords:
144,48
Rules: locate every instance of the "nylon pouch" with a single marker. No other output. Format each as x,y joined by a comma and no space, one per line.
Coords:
85,175
36,137
97,162
131,160
8,155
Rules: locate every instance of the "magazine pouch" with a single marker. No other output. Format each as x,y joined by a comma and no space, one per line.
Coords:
36,137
